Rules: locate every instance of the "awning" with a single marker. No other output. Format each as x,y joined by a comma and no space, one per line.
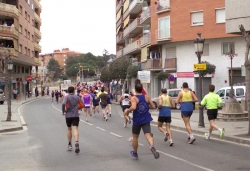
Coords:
125,6
117,30
144,54
118,15
126,21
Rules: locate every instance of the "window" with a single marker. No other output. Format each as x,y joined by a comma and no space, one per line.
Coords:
20,9
32,38
22,69
20,48
228,92
28,52
164,28
20,29
220,15
240,92
25,33
32,53
28,34
221,93
197,18
32,6
226,47
25,50
18,69
206,50
29,2
28,18
26,14
171,52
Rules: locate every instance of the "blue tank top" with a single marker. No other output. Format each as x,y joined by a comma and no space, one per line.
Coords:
141,114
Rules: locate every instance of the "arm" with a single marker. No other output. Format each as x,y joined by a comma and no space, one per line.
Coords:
219,101
151,104
63,106
133,105
204,101
171,101
179,97
160,102
120,100
194,97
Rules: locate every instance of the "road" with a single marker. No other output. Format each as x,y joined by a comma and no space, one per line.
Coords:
105,146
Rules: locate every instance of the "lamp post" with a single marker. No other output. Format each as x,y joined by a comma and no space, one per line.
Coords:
10,67
199,44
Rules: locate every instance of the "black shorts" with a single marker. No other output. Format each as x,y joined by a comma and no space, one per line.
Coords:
125,107
74,121
212,114
136,129
96,104
103,106
166,119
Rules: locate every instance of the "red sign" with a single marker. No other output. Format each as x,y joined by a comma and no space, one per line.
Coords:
29,78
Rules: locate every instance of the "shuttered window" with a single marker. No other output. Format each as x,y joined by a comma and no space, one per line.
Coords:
206,50
220,15
171,52
197,18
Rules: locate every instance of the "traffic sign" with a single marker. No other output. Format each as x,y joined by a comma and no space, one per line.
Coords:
200,67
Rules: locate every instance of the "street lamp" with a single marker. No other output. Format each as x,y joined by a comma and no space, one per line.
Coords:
199,45
10,67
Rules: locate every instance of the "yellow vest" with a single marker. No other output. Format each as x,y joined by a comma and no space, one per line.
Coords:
165,100
186,96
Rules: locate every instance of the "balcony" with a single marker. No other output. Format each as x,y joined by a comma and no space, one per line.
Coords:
163,34
118,7
119,38
8,30
9,9
119,53
38,33
38,4
152,64
134,8
146,39
119,22
38,47
162,6
37,18
145,16
170,63
137,64
133,29
12,51
36,60
133,48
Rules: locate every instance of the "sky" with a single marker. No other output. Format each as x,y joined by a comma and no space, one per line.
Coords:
80,25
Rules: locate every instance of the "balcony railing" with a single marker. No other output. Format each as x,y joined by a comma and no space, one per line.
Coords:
146,39
132,26
38,18
36,60
119,22
153,64
134,3
8,30
13,51
119,53
162,7
132,47
145,15
38,47
170,63
119,6
137,64
38,4
38,33
8,8
119,37
163,34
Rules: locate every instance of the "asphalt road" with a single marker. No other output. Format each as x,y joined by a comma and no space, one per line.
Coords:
105,146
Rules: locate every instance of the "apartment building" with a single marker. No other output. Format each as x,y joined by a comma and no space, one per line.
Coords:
20,33
159,36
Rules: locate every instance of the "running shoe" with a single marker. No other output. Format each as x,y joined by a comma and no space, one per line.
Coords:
86,119
222,133
155,153
170,143
207,136
110,115
70,147
106,119
191,140
133,154
129,119
166,136
125,125
77,148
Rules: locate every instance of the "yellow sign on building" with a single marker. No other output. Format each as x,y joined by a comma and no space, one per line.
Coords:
200,67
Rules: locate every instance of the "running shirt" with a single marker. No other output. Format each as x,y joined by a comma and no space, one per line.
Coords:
126,100
86,99
141,114
96,100
187,101
103,98
165,109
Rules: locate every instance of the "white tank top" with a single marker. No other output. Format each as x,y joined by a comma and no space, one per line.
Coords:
126,100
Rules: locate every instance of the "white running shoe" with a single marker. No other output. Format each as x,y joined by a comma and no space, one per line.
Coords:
222,133
70,147
207,136
125,125
106,119
86,119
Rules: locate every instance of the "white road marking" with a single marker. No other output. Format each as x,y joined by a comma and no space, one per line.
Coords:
55,108
101,128
86,122
140,144
115,135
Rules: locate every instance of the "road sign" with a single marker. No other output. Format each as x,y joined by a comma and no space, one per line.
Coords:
144,76
200,67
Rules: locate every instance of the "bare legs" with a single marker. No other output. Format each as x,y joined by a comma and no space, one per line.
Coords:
167,130
75,131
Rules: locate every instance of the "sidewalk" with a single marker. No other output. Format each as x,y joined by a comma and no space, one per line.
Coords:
15,123
234,131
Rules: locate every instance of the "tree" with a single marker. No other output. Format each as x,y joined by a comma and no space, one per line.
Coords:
118,68
209,69
53,65
132,71
247,65
162,76
105,74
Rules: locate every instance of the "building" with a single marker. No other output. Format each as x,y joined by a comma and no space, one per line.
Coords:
20,33
159,36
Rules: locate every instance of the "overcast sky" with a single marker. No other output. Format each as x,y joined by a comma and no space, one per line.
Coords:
80,25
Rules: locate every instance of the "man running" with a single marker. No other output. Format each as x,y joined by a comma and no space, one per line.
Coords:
103,101
186,98
95,102
125,103
165,103
87,101
109,106
72,117
140,104
212,102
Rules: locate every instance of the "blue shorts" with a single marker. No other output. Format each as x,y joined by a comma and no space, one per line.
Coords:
186,113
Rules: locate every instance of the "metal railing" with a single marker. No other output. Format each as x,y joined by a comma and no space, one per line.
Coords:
9,30
36,60
163,34
132,26
119,6
145,15
38,18
119,22
13,51
170,63
146,39
119,53
153,64
38,32
133,46
9,8
119,37
159,8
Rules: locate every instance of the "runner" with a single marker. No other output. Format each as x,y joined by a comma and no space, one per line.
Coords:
72,117
140,104
165,103
103,101
186,98
57,96
125,103
212,102
52,95
87,101
109,106
95,101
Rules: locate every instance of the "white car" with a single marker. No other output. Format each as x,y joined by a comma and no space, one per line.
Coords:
239,92
2,96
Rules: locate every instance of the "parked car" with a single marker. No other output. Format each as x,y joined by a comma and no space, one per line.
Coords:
2,96
239,92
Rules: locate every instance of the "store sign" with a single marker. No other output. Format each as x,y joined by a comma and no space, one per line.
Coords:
144,76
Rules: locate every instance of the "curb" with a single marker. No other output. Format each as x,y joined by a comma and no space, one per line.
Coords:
11,129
